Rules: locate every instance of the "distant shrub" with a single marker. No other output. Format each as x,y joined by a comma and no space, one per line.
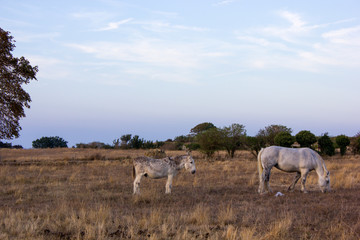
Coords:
254,144
209,141
342,141
284,139
5,145
97,156
94,145
269,133
305,138
326,145
192,146
155,153
50,142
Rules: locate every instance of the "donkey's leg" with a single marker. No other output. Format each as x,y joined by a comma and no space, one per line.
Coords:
137,184
169,184
296,179
304,173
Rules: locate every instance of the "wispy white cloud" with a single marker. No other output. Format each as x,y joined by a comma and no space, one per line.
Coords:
151,51
224,2
301,45
114,25
349,36
162,26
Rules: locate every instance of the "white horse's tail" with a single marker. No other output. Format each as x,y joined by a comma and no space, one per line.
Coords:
260,167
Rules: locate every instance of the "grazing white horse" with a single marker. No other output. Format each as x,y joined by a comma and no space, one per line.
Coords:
160,168
299,160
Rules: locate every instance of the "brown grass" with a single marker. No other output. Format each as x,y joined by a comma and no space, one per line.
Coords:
65,194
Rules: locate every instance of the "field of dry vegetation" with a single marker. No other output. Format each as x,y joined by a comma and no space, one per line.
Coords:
87,194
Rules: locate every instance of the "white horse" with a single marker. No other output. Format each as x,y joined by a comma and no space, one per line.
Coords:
299,160
160,168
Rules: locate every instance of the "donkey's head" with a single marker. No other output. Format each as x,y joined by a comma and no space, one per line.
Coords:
189,164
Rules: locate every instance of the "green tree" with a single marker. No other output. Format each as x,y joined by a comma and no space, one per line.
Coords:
269,133
136,142
305,138
355,143
326,145
14,72
209,141
254,144
233,137
201,128
284,139
342,141
124,140
49,142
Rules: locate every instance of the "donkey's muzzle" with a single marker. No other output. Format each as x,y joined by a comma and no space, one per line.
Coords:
193,171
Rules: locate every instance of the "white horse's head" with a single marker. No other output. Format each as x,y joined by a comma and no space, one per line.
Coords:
324,182
189,164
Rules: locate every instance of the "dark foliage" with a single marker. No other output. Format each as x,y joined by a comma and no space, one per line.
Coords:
50,142
14,72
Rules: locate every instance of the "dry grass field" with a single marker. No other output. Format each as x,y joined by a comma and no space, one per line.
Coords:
87,194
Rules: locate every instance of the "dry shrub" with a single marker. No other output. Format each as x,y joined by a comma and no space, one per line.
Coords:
248,233
200,215
97,156
231,233
155,153
280,229
226,215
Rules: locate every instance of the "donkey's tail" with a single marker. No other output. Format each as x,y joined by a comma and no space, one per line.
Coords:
260,167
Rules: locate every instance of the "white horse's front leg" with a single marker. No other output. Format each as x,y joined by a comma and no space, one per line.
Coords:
137,184
296,179
303,180
169,184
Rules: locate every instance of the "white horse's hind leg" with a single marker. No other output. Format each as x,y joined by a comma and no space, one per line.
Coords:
267,179
169,184
296,179
304,174
137,184
261,189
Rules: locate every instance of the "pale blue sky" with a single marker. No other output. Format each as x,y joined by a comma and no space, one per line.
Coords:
158,68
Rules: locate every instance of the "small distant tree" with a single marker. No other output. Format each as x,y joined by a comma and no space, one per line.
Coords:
209,141
5,145
284,139
254,144
269,133
202,127
305,138
116,143
326,145
50,142
233,137
136,142
342,141
355,144
124,140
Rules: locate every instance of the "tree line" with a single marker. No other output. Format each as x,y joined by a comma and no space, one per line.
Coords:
208,139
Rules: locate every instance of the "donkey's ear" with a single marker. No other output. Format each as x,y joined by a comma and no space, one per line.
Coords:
188,152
